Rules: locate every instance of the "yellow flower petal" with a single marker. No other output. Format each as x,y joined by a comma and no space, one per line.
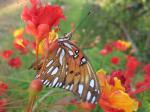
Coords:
19,42
18,32
123,101
125,43
101,71
53,36
44,43
117,85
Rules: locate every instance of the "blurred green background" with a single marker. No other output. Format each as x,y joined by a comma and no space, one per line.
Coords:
110,20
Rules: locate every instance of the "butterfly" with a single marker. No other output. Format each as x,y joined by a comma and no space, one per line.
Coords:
67,67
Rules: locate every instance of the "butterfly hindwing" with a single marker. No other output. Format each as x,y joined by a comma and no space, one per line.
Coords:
68,68
88,84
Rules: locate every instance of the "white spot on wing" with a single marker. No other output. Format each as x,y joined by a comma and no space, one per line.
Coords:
50,84
71,87
50,69
92,83
45,81
68,45
50,62
83,60
55,81
57,84
58,51
67,87
62,39
75,56
80,89
60,84
93,99
61,56
55,71
88,95
70,52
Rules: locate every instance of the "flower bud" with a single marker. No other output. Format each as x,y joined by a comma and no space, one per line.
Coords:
36,86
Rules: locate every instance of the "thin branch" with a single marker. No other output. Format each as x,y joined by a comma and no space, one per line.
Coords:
41,99
126,32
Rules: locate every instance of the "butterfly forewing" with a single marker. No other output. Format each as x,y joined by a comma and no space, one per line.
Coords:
68,68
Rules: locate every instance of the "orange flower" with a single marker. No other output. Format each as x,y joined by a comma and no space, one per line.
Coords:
18,32
20,43
122,45
45,45
113,97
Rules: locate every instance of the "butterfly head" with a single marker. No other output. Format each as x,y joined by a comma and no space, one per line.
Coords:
66,36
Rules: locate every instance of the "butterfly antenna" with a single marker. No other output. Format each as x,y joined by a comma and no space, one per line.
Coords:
91,11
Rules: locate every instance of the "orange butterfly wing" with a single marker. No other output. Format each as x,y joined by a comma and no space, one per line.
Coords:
68,68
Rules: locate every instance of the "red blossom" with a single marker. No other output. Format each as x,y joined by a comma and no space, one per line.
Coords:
131,66
3,87
21,45
107,49
132,63
146,69
115,60
15,62
3,103
142,85
104,52
6,54
121,45
120,74
41,18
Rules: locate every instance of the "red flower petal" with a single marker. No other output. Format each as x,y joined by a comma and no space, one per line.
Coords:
132,63
146,69
43,30
115,60
41,18
3,88
21,45
3,103
142,85
104,52
15,62
6,54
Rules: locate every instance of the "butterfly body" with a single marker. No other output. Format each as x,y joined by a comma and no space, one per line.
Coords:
67,67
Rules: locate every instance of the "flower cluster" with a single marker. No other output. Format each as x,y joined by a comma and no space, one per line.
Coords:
118,92
119,45
20,44
3,101
114,96
39,19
